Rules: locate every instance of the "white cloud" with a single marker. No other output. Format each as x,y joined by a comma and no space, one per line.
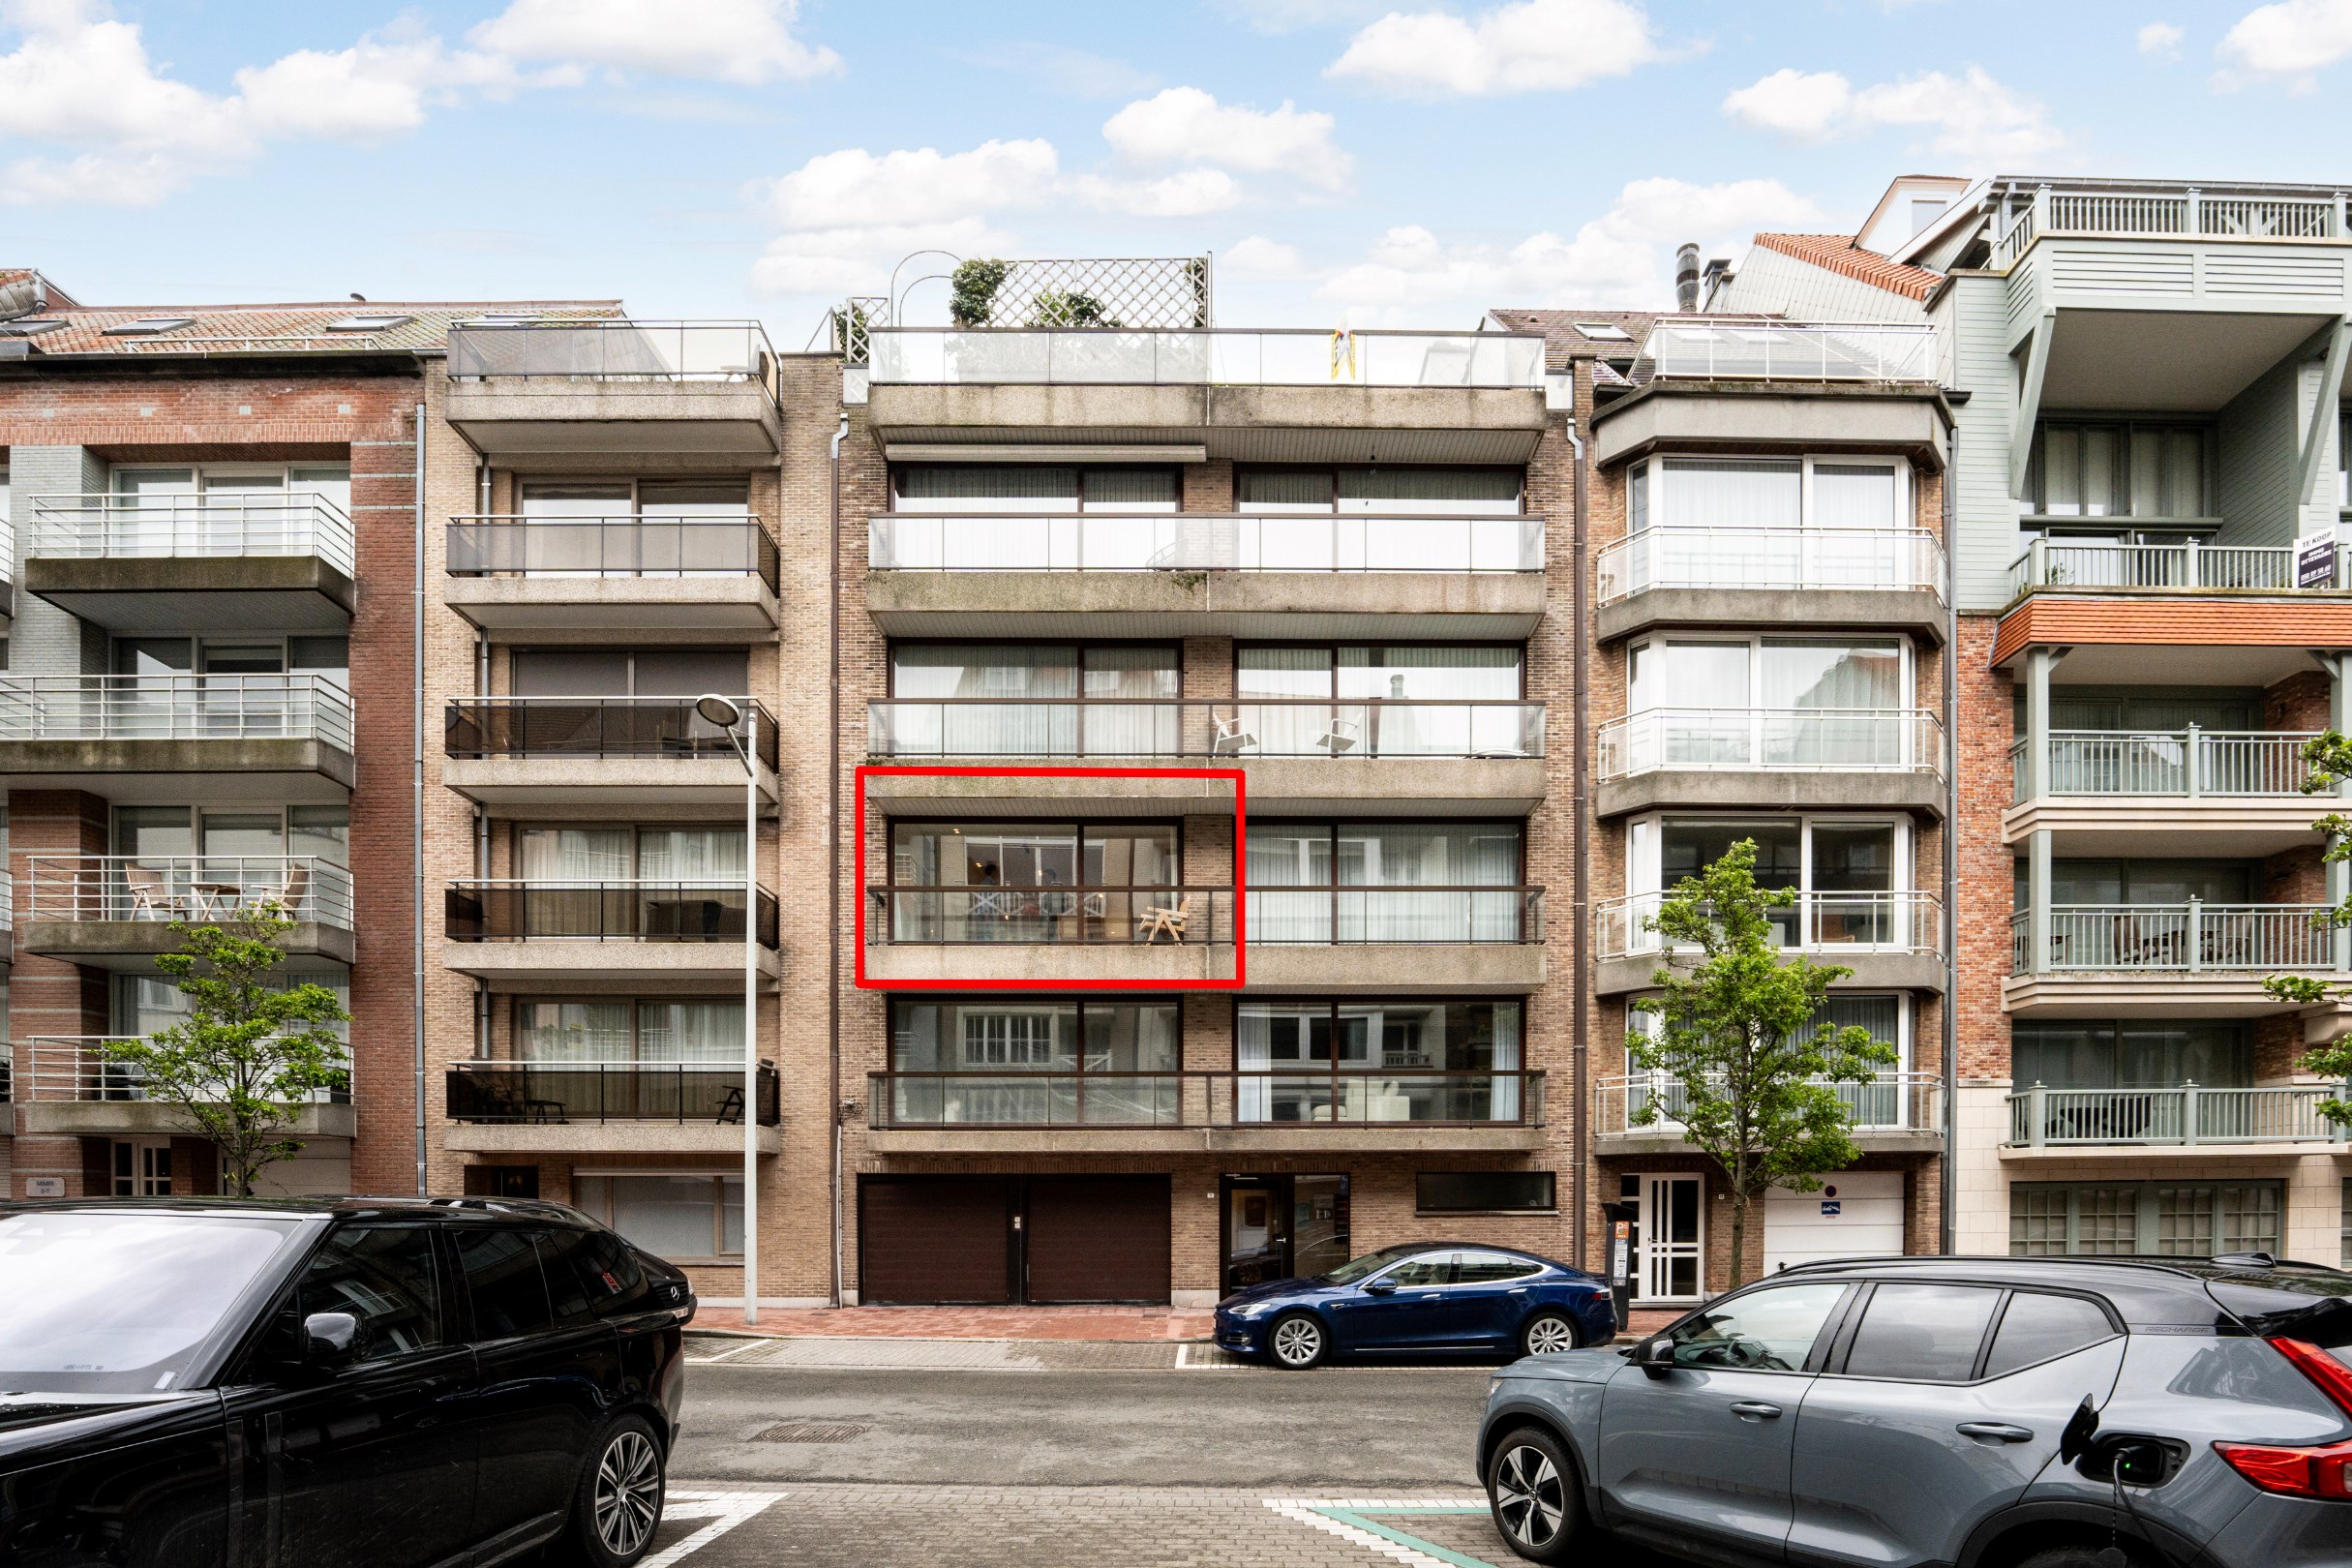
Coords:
1186,125
1294,16
1258,257
376,88
740,40
1970,118
1535,45
1189,194
2161,40
855,189
2288,40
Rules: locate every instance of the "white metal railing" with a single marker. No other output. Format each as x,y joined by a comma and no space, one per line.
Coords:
2191,1113
2188,763
612,350
176,707
193,887
7,901
1235,729
1202,542
1204,356
75,1067
2058,563
1876,740
1890,1101
2187,211
1902,922
147,527
1789,352
1701,557
2178,937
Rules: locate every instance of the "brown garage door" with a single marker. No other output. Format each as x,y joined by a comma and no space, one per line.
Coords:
934,1238
1098,1238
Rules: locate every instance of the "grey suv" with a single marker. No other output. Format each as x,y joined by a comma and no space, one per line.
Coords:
1985,1413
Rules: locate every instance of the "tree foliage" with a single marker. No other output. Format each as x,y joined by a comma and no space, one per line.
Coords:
2330,757
1754,1075
252,1050
1068,308
972,290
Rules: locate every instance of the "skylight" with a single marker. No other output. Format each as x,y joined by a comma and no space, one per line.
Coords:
1604,332
149,326
32,328
369,323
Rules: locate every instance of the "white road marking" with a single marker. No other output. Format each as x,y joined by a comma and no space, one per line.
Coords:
725,1510
1303,1510
707,1361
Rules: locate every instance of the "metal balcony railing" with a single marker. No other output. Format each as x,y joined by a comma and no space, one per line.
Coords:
1202,542
578,727
176,707
1833,922
2188,763
76,1067
1787,560
612,350
1351,1096
1051,916
1422,916
2179,938
2189,1114
1887,1102
2065,566
1119,357
190,888
1866,740
1044,727
147,527
591,911
507,546
1789,352
2151,214
560,1094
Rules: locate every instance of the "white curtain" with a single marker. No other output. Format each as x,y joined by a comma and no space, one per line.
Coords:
572,1031
699,857
690,1031
576,855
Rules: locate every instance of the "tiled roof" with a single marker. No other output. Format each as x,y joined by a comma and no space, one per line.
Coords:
280,329
1562,342
1838,254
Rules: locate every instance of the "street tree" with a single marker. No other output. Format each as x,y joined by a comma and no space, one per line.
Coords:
2330,756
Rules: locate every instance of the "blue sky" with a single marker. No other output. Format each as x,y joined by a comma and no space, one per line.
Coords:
1403,161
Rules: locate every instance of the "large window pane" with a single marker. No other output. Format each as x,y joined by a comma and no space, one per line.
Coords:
1733,493
690,1031
988,487
1446,490
572,1031
1429,674
1854,495
997,670
1293,490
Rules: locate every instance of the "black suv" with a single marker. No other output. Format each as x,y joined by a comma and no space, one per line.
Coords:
204,1383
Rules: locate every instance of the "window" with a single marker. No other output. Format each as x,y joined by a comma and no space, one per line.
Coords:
1601,332
1024,1062
2131,1054
2149,882
703,856
631,673
502,1276
1031,700
683,1218
1437,492
1452,701
2347,1224
1787,673
2156,1218
1486,1191
384,1275
148,326
1852,872
1731,496
1882,1103
1377,1062
1037,881
1014,487
1921,1333
1396,882
2035,1328
141,1167
248,659
662,1029
1361,672
1767,1330
562,1261
143,1003
2116,471
322,831
368,323
1422,1273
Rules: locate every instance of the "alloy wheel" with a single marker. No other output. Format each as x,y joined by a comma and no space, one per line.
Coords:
629,1493
1529,1496
1548,1334
1297,1342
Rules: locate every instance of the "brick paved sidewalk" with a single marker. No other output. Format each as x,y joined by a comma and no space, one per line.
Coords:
1154,1324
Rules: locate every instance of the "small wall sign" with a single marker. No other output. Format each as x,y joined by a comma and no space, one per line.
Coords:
39,1187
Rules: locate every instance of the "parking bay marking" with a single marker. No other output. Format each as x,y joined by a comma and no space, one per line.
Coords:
1346,1517
724,1510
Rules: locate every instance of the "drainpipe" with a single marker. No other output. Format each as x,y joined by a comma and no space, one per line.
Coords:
1579,1122
1947,1229
416,822
833,858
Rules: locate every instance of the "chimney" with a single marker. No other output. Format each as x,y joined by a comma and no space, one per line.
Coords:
1686,278
1718,273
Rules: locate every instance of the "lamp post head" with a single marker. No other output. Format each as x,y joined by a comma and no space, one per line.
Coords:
718,710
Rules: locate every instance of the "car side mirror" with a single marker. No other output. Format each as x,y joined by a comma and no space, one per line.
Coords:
1379,1287
1655,1357
330,1338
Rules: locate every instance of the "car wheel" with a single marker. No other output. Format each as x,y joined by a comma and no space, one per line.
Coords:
1548,1332
1297,1341
618,1506
1532,1488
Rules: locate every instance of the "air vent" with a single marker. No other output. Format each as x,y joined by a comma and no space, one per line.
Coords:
369,323
813,1432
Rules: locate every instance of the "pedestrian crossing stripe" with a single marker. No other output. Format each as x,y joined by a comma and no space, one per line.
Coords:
1349,1519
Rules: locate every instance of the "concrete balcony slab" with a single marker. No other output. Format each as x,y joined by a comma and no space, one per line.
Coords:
1292,786
153,769
1917,610
1652,1144
149,1118
131,947
510,606
633,784
608,966
152,593
2236,824
2164,994
1872,971
2163,1155
1464,968
1046,964
1505,605
1762,788
606,1139
529,421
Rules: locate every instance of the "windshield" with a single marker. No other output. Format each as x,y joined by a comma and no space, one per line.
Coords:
97,1303
1371,1263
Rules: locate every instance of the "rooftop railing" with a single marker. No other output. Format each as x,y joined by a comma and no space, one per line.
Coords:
1869,739
76,1067
1789,352
2186,764
1348,1096
176,707
1202,542
560,1094
577,727
1888,1102
1421,916
1905,922
1016,356
190,888
631,545
2184,212
2041,1116
216,526
1115,727
1789,560
567,910
2180,938
1051,916
611,350
2070,568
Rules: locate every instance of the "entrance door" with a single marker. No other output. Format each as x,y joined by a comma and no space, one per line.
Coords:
1281,1228
1672,1256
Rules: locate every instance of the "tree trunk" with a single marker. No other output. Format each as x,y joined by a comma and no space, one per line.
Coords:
1740,1236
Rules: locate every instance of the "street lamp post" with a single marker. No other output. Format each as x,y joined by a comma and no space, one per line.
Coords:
728,715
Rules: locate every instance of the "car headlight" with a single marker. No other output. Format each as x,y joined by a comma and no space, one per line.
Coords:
1255,1309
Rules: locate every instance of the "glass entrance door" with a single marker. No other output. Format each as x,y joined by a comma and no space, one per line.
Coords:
1672,1249
1280,1227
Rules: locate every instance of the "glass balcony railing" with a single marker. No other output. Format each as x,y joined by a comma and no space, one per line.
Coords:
1874,740
216,526
917,727
176,707
1887,1102
637,547
582,727
1051,916
2183,764
1349,1096
2067,567
1788,351
2041,1116
611,350
560,1094
1420,916
1786,559
2179,938
76,1067
1909,922
1202,542
590,911
192,888
1020,357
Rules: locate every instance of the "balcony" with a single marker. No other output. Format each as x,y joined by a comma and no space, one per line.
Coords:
1892,1113
605,935
605,1107
1401,1109
2240,1120
117,911
2188,960
2239,791
1205,575
65,1085
1779,577
142,563
1402,756
642,752
533,574
1772,757
1788,351
1465,940
1048,936
687,392
2143,244
1194,394
1889,940
288,735
2190,567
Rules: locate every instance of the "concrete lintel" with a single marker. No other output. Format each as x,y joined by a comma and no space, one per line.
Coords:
2112,823
1651,1143
1917,610
1687,415
1762,789
607,1138
546,415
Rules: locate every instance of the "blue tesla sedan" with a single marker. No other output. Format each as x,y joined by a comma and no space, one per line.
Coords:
1418,1298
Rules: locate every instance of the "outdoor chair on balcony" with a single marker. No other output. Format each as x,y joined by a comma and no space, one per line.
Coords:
1171,922
290,898
150,894
1232,740
1339,737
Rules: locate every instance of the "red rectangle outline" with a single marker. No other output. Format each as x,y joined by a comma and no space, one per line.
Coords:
1240,890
